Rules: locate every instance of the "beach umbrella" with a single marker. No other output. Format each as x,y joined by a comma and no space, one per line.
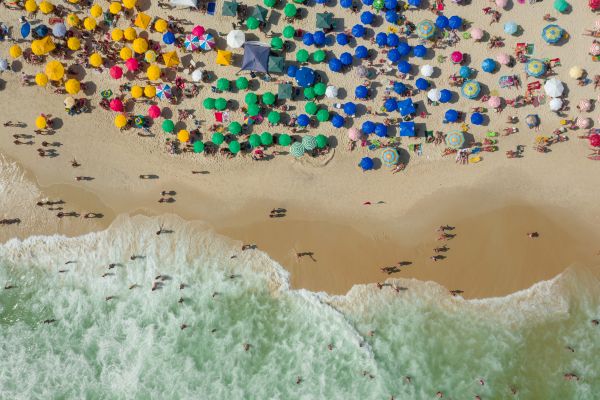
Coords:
319,38
445,96
43,46
41,79
585,105
235,39
552,33
72,86
346,58
234,147
393,55
594,5
41,30
153,72
15,51
235,128
253,110
337,121
59,30
25,29
555,104
451,115
311,108
3,64
464,72
381,39
390,4
441,22
309,142
163,91
290,10
511,27
532,120
595,49
46,7
434,95
380,130
346,3
425,29
322,115
197,75
266,139
241,83
136,91
477,33
252,23
378,5
594,140
391,16
368,127
276,43
198,146
160,25
358,31
477,118
208,103
130,33
168,126
268,98
303,120
31,6
254,140
132,64
305,76
217,138
404,67
554,87
455,139
502,3
367,17
400,87
274,117
341,39
331,92
361,92
309,93
149,91
250,98
488,65
41,122
583,122
289,32
320,89
198,30
302,56
321,141
471,89
390,157
494,101
125,53
390,104
576,72
55,70
335,65
207,41
192,42
183,136
367,2
140,45
404,48
503,58
116,105
297,149
73,43
89,24
284,140
366,163
420,51
308,39
154,111
561,6
455,22
115,8
223,84
120,121
354,134
421,84
456,57
291,70
220,104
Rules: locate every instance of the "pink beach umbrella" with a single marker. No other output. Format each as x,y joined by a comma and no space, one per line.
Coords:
116,72
132,64
595,49
353,134
456,57
501,3
116,105
477,33
494,102
198,30
595,140
154,111
585,105
503,58
583,123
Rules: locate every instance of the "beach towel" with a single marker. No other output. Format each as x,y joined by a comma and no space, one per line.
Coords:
211,7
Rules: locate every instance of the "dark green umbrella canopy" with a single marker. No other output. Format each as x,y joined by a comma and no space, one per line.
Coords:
241,83
253,110
324,20
276,43
321,141
223,84
235,128
275,64
266,139
217,138
289,32
284,140
323,115
311,108
250,98
234,146
220,104
302,56
168,126
284,91
268,98
229,9
274,117
198,147
319,56
290,10
209,103
270,3
254,140
252,23
320,89
309,93
260,13
299,1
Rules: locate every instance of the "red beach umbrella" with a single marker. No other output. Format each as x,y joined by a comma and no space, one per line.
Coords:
154,111
595,140
116,72
116,105
132,64
456,57
594,5
198,30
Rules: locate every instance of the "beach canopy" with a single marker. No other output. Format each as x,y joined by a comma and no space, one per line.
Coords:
41,47
275,64
223,57
554,87
455,139
256,57
451,115
324,20
284,91
142,20
471,89
229,9
406,107
390,157
425,29
552,33
260,13
366,163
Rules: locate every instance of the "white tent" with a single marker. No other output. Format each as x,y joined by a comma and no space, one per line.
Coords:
185,3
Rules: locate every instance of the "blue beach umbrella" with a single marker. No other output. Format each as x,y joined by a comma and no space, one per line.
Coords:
441,22
455,139
291,71
361,92
335,65
535,68
390,105
350,108
308,39
404,48
380,130
552,33
445,96
390,157
471,89
399,87
422,84
361,52
346,58
341,39
451,115
390,4
367,17
425,29
511,27
25,29
477,118
305,77
303,120
414,3
393,55
404,67
366,163
41,30
381,39
358,31
337,121
455,22
391,16
367,2
168,37
419,51
368,127
464,72
319,38
392,40
346,3
488,65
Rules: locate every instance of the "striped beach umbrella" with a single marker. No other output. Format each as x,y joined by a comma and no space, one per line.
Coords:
163,91
192,42
552,33
297,149
471,89
425,29
535,68
309,142
390,157
207,41
455,139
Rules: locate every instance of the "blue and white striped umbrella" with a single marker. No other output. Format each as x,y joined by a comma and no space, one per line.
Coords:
163,91
192,42
390,157
207,41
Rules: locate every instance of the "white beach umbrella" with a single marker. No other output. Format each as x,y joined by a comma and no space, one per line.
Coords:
236,39
331,92
434,95
427,70
3,65
554,87
555,104
197,75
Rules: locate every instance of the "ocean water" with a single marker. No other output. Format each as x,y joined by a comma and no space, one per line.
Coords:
133,347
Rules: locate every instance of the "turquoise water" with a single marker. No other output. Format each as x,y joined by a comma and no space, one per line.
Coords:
132,347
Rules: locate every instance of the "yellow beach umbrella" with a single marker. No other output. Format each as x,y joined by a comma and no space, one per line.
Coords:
41,79
576,72
41,122
153,72
73,43
42,46
161,25
140,45
183,136
142,20
120,121
116,34
125,53
115,8
149,91
223,57
15,51
130,34
129,4
96,11
73,1
89,23
46,7
137,91
171,59
150,56
95,60
73,20
72,86
31,6
55,70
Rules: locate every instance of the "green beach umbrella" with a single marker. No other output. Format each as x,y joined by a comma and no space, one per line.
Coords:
289,32
235,128
323,115
277,43
168,126
284,139
297,150
220,104
561,6
241,83
254,140
378,4
217,138
223,84
198,147
309,93
274,117
234,146
319,56
320,88
253,110
266,139
252,23
270,3
309,142
311,108
268,98
321,140
299,1
290,10
209,103
250,98
302,56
